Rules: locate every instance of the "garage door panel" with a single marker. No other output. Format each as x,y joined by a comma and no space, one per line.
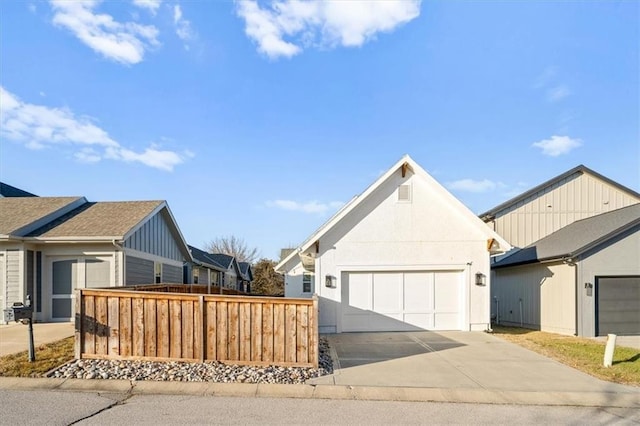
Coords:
396,301
387,293
418,292
420,320
618,305
447,291
359,291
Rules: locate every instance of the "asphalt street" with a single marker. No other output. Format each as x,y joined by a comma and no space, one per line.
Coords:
91,408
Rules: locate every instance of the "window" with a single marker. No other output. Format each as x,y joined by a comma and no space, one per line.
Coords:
196,275
158,270
307,279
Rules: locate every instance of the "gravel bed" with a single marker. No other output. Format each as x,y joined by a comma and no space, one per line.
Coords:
194,372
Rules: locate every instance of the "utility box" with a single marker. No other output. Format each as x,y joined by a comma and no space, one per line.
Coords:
18,312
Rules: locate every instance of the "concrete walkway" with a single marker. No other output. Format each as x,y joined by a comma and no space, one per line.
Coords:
14,337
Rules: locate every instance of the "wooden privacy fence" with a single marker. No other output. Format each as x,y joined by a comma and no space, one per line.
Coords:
122,324
183,288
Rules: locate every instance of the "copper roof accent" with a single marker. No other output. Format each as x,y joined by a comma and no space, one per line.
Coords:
19,212
102,219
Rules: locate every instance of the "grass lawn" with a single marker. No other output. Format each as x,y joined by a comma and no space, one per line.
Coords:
48,356
582,354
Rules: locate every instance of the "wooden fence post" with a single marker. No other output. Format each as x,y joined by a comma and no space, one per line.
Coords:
313,331
79,317
202,330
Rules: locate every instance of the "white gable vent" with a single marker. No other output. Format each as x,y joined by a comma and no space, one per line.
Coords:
404,193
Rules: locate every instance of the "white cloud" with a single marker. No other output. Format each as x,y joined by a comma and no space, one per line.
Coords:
470,185
307,207
151,5
557,145
121,42
183,26
558,93
39,127
32,8
321,23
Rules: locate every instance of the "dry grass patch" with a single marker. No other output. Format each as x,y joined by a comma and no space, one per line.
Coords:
582,354
48,356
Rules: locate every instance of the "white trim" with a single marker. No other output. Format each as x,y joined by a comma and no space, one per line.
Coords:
152,257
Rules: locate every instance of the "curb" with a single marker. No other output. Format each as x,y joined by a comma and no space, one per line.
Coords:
340,392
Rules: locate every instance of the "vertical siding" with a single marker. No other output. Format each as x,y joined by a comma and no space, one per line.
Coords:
30,276
576,197
13,277
155,237
139,271
3,275
547,292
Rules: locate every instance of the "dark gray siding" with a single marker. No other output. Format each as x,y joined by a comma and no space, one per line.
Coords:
138,271
39,281
171,274
30,275
155,237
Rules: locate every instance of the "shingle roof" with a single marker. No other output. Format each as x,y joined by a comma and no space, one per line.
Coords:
222,259
581,169
7,190
245,270
19,212
204,257
576,238
102,219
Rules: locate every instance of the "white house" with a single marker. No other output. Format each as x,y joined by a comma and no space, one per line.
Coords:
403,255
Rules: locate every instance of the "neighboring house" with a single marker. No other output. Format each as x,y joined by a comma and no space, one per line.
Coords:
403,255
49,246
583,279
203,269
12,191
576,194
231,276
246,276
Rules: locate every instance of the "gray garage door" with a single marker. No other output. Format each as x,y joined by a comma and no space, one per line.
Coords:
618,305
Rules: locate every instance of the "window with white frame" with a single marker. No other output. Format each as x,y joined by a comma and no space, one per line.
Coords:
307,282
196,275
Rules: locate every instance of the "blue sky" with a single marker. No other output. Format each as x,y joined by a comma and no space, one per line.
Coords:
259,119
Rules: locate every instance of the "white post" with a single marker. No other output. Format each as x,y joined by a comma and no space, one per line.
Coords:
609,349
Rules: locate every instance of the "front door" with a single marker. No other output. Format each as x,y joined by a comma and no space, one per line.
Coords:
64,281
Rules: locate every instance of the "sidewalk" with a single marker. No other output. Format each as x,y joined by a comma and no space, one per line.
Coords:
14,337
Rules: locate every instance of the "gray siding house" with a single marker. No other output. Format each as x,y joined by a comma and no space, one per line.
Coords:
576,194
203,269
49,246
583,279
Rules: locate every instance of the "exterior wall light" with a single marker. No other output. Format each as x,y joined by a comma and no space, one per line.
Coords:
481,279
330,281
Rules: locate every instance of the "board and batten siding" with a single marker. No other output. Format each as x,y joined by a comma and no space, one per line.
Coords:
3,274
29,261
139,271
155,237
576,197
547,292
12,278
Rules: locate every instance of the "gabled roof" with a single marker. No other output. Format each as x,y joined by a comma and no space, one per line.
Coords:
205,259
406,162
576,238
7,190
245,270
581,169
225,260
21,215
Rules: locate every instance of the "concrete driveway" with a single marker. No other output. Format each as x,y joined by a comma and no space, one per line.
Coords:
452,360
14,337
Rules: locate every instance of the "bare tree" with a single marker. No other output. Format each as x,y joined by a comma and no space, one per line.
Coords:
266,281
233,246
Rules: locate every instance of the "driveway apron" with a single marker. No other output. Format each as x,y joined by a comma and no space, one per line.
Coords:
456,360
